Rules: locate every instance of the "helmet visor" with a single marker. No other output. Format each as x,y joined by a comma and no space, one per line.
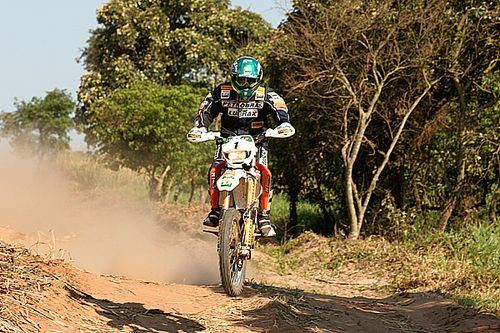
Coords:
246,81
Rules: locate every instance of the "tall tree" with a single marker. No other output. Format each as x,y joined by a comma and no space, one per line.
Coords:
40,125
144,127
168,42
471,69
362,68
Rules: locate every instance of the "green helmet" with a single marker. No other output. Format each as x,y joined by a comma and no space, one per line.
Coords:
246,76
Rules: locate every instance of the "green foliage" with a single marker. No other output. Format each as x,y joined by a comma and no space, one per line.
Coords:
309,217
335,58
142,46
168,42
144,127
483,248
482,302
40,125
453,41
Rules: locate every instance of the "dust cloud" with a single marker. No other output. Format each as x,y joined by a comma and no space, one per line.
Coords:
42,210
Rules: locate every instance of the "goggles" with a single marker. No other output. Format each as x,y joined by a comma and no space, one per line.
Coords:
246,81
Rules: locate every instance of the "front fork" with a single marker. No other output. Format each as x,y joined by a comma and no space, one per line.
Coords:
249,216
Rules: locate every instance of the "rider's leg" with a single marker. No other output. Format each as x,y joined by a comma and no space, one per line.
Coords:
266,229
212,220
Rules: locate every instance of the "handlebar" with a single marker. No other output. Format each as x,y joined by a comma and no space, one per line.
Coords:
200,136
219,139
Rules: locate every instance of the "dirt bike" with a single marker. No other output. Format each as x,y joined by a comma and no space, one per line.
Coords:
240,191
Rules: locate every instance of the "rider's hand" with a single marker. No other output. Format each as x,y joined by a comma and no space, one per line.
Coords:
196,133
284,130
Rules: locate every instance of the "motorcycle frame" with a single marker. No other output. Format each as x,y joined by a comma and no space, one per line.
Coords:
248,222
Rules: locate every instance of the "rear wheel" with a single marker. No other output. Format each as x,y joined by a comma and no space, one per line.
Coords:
232,265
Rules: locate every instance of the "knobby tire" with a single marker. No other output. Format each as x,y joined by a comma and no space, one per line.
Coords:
232,267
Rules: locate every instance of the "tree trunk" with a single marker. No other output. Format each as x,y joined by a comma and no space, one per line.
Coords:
351,208
456,194
291,229
153,193
156,183
327,218
493,206
203,194
167,190
191,193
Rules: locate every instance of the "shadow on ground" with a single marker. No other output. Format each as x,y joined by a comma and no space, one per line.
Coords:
298,311
136,317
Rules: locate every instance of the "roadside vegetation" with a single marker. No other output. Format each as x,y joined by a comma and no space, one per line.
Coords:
396,106
462,264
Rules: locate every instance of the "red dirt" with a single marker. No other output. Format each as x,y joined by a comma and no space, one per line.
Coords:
79,301
124,241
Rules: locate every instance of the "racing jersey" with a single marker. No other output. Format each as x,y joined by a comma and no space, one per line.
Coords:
242,117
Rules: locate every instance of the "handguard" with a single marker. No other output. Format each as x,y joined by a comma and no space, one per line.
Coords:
200,134
282,131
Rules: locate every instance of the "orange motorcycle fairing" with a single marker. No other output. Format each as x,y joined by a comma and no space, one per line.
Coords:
215,173
266,183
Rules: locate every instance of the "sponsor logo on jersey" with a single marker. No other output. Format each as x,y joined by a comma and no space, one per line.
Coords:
233,112
225,91
243,105
246,113
282,107
278,102
260,94
257,124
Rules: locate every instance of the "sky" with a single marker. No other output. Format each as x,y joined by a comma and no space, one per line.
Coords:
42,40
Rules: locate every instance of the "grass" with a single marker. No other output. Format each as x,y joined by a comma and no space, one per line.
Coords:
90,174
462,264
308,215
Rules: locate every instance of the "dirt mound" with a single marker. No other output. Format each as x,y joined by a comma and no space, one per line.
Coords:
52,296
23,279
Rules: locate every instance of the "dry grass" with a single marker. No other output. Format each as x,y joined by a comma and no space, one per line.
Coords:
435,267
22,281
92,176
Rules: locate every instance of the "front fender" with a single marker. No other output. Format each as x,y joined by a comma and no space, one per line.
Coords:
230,179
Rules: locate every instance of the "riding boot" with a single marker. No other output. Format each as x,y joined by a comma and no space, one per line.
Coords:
265,226
212,220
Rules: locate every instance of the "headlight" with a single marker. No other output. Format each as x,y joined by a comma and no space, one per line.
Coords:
236,156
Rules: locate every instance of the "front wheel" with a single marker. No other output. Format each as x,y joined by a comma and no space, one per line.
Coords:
232,265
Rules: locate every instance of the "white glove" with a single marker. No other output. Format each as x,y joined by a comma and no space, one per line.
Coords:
284,130
196,134
270,133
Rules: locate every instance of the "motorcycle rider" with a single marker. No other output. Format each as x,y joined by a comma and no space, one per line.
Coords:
244,104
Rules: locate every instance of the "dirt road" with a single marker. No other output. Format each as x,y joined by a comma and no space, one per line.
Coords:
111,245
80,301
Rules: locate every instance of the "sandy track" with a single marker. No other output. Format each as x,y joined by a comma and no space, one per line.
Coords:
79,301
103,234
